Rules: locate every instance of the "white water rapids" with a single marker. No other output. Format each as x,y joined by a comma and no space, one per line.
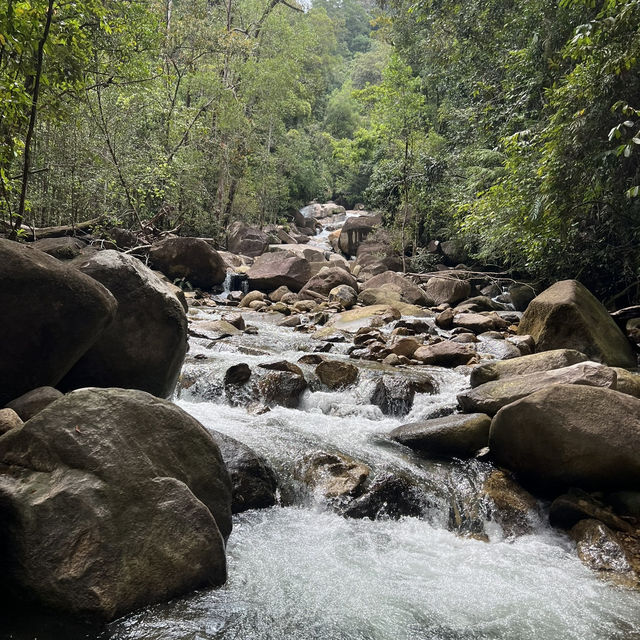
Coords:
301,572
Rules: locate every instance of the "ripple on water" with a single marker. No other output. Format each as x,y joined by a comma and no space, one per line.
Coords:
302,574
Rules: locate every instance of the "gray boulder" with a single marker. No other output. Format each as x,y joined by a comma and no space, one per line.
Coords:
568,316
191,259
66,248
273,270
455,435
245,240
145,345
325,280
571,435
354,231
111,500
408,291
492,396
447,289
534,363
51,314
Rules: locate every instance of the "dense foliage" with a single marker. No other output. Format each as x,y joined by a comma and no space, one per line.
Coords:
511,124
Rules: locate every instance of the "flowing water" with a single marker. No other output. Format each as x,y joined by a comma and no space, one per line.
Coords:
302,572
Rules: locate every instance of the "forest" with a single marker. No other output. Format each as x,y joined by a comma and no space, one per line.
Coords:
510,125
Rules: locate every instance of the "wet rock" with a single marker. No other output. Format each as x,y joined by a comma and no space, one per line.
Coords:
387,497
61,248
191,259
336,374
496,347
451,436
343,294
600,550
525,344
236,320
569,508
447,289
535,363
311,358
245,240
282,388
111,500
237,374
273,270
291,321
325,280
394,395
415,326
305,306
9,419
568,316
334,475
571,435
464,338
32,402
514,508
492,396
405,347
392,360
445,354
253,481
53,341
478,304
354,231
145,345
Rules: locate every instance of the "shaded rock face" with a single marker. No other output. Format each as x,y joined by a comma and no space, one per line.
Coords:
61,248
513,508
394,395
343,294
492,396
190,258
247,241
253,480
282,388
455,435
145,345
325,280
447,289
273,270
111,499
32,402
62,312
409,292
354,231
536,362
9,419
334,475
568,316
571,435
568,509
386,497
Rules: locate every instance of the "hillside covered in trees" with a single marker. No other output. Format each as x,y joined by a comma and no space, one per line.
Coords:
512,125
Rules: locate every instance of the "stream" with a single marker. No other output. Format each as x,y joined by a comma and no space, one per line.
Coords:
300,571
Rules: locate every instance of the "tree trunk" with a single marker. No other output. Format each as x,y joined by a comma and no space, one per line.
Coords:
35,92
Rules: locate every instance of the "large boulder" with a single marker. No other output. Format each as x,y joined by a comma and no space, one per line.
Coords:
409,292
273,270
455,435
51,314
445,353
336,374
492,396
354,231
333,475
447,289
568,316
325,280
245,240
536,362
191,259
110,500
571,435
145,345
